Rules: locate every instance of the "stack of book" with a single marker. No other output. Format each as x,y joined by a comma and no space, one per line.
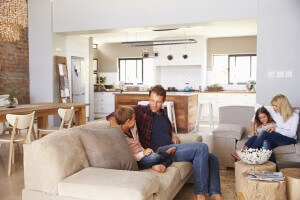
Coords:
265,176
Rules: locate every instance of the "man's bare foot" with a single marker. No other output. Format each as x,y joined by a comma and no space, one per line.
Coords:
199,197
216,197
171,150
159,168
235,156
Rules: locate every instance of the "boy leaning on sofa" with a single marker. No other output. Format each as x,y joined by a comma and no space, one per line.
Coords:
155,131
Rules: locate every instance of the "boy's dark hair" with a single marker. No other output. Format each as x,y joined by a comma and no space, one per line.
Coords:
159,90
123,113
262,110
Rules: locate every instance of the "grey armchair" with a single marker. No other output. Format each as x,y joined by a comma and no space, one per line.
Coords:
234,122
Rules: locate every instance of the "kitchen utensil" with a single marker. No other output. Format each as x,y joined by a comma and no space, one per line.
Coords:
187,88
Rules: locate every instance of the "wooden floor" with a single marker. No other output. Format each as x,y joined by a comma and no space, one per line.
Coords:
11,186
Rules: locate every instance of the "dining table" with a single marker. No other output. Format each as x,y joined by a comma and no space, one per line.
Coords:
43,110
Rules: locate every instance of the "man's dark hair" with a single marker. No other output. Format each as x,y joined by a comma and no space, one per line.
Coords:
123,113
158,90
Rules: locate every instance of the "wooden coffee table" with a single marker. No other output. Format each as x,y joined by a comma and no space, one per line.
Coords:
292,176
261,190
241,167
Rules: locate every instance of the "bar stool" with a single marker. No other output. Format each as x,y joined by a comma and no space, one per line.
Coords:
169,105
200,112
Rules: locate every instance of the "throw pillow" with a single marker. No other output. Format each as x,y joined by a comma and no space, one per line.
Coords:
108,148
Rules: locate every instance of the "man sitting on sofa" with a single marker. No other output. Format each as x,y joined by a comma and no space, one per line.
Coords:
155,130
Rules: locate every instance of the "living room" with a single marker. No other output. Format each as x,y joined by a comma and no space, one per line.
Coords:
32,77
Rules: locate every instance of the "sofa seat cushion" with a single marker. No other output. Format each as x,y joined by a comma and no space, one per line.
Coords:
109,184
285,149
185,168
169,180
229,131
107,148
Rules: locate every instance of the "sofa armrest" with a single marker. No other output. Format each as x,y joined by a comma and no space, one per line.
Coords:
189,137
229,131
109,184
297,145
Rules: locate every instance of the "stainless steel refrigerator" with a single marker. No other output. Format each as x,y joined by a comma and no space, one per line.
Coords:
78,79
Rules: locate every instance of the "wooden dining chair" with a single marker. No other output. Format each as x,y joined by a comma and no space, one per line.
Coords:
5,128
66,116
19,122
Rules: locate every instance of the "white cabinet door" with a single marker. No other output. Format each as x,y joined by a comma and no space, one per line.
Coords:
104,102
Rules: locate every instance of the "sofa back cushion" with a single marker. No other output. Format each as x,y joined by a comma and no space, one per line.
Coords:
57,156
241,115
107,148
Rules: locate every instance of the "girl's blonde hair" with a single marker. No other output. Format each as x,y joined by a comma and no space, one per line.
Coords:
286,110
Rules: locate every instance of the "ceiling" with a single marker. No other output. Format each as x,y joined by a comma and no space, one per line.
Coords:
206,29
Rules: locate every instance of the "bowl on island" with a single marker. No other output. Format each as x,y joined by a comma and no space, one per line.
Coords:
254,156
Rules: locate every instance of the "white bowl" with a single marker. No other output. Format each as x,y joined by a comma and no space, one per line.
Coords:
254,156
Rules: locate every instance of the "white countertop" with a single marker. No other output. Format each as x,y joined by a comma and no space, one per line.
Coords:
168,93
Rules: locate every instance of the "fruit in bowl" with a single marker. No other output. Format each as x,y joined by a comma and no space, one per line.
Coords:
254,156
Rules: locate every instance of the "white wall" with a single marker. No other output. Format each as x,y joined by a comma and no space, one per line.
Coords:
278,48
41,70
74,15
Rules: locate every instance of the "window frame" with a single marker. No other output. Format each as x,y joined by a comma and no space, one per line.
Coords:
239,55
125,59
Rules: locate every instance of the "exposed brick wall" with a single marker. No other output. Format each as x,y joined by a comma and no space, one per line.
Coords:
14,68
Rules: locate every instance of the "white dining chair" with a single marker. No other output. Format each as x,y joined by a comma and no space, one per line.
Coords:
19,122
66,116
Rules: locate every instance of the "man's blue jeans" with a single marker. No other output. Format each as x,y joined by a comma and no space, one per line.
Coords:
161,157
205,166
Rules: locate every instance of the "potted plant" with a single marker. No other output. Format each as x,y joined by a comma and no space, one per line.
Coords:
102,80
250,86
10,101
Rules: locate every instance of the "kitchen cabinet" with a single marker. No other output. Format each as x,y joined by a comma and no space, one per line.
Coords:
219,99
104,103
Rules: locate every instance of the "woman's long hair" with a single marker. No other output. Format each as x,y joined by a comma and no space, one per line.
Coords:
286,110
262,110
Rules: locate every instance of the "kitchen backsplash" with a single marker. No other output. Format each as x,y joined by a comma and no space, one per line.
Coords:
178,76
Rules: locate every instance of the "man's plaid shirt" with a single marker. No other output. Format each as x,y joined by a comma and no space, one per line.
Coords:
144,122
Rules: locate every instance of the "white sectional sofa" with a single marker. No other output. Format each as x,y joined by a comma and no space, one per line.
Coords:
60,167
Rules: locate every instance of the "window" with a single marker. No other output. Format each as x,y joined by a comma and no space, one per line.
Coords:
229,69
131,70
95,46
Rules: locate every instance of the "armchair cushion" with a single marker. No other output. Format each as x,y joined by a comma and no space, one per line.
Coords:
229,131
108,148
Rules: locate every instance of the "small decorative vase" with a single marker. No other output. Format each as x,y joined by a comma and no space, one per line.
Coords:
10,102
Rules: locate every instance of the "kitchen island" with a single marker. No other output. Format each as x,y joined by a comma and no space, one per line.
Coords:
185,104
